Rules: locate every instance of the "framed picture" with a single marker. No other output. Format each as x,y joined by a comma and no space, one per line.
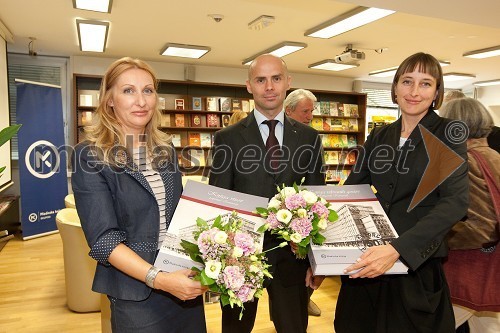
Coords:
225,120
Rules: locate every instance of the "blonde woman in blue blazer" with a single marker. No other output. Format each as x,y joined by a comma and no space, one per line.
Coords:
127,185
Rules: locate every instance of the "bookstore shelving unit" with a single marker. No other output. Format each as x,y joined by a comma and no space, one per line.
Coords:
193,111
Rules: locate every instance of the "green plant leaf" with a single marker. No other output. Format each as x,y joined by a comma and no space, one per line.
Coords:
201,223
7,133
318,239
332,216
205,279
261,211
224,299
218,223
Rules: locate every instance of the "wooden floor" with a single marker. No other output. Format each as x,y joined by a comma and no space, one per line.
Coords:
32,295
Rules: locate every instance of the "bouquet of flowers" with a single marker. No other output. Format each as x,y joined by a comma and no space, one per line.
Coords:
297,215
235,265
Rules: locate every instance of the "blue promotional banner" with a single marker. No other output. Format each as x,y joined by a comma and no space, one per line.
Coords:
42,158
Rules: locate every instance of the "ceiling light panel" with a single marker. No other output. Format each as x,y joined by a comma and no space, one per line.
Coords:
483,53
353,19
92,35
280,50
487,83
103,6
184,51
452,77
331,65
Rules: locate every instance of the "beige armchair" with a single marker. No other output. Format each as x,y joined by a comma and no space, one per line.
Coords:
79,268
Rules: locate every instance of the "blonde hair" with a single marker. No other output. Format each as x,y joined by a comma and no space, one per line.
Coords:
106,133
237,116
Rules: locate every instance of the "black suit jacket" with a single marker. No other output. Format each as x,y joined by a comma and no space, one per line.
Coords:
239,164
396,176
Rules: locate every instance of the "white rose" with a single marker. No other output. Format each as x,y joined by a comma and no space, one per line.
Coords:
301,213
284,216
274,203
296,237
287,191
237,252
323,201
212,268
322,224
309,197
220,237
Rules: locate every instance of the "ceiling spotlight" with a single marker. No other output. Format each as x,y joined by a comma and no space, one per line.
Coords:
216,17
261,22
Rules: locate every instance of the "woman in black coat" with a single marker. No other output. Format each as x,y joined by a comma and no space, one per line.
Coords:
418,169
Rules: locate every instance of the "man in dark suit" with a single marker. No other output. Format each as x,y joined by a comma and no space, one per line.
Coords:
241,162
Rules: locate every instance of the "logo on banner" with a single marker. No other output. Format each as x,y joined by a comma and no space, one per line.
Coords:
42,159
33,217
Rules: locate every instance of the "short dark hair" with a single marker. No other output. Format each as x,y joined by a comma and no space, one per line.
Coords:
424,63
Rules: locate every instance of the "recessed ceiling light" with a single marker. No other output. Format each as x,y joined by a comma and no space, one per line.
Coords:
353,19
92,35
451,77
279,50
483,53
184,51
487,83
331,65
103,6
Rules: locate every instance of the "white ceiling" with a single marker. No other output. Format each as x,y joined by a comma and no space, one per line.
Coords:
444,28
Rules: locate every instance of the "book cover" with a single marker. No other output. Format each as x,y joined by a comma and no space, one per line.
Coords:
176,140
225,120
196,120
225,104
326,124
362,223
196,103
179,104
317,109
205,139
317,124
197,157
165,120
331,157
345,124
334,141
245,105
351,110
334,109
236,104
213,120
352,141
342,140
194,139
352,124
161,103
341,109
212,104
86,118
325,108
207,202
179,120
336,124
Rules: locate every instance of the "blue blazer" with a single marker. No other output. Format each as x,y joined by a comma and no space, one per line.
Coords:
117,205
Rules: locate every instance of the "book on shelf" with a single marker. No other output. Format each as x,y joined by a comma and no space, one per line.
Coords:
196,103
333,175
326,124
179,120
165,120
179,104
317,109
317,124
352,141
225,104
345,124
197,157
341,110
162,103
213,120
336,124
86,118
196,120
194,139
85,100
176,139
351,110
325,108
331,157
205,139
212,104
251,104
236,105
334,109
225,120
245,105
352,124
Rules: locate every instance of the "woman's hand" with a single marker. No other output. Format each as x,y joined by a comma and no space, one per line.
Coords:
313,281
180,284
374,262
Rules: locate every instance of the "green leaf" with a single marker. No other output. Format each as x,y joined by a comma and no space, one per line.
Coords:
7,133
205,279
218,223
224,299
319,239
201,223
296,187
261,211
332,216
1,170
262,228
